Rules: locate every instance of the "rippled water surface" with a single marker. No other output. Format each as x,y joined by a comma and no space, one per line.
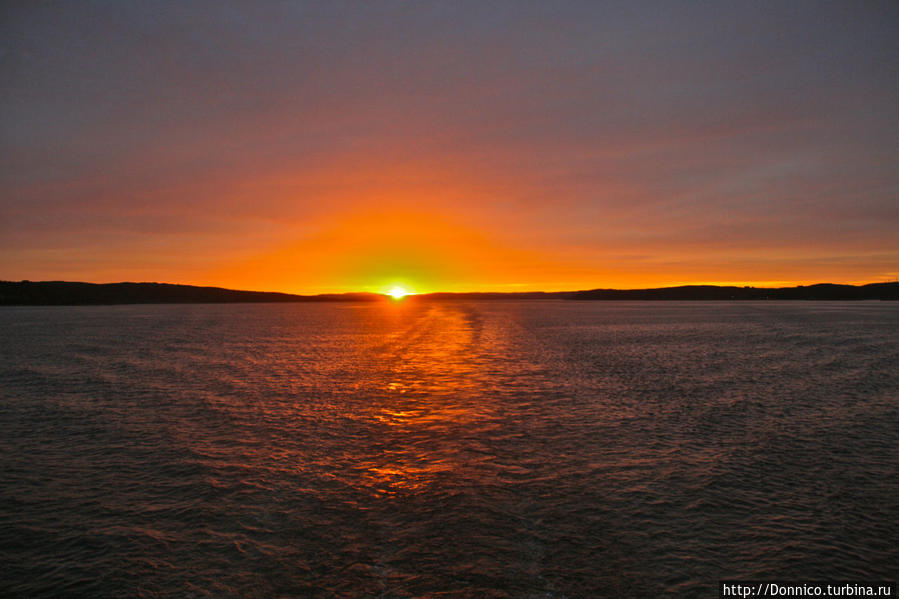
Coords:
446,449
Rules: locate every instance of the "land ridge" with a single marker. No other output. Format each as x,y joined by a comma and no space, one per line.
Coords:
57,293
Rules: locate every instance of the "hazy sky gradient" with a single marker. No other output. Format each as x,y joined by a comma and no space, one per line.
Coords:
333,146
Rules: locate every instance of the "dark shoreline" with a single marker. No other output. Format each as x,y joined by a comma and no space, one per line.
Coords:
62,293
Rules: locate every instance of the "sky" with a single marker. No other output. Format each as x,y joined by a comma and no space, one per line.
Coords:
314,147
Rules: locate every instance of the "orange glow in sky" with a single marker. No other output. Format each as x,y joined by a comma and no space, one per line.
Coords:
484,147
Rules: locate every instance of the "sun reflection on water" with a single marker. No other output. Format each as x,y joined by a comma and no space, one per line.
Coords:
426,372
396,388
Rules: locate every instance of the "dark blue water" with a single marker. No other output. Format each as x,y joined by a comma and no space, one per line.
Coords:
492,449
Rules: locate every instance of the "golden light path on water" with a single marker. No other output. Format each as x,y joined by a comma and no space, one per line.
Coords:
408,375
426,375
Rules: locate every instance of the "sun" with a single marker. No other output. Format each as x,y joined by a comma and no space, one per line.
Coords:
398,292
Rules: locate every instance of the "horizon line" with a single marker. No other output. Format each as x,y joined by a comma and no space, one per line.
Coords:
482,292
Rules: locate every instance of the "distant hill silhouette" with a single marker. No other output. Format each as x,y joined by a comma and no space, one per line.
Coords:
58,293
51,293
822,291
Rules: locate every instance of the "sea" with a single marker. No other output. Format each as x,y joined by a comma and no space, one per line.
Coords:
446,449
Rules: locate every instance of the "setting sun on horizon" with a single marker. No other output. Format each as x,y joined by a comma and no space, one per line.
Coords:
398,292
